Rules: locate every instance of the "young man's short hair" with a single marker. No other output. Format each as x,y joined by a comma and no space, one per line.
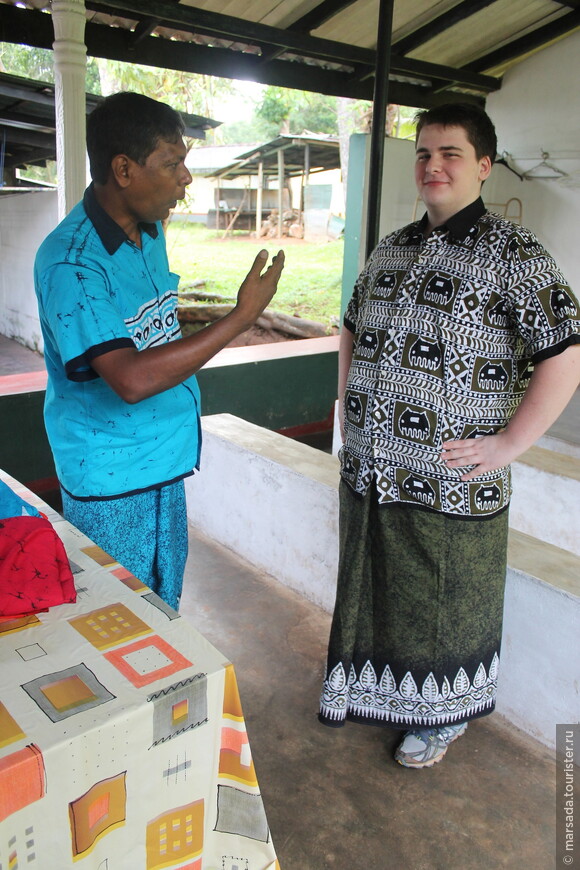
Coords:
476,123
131,124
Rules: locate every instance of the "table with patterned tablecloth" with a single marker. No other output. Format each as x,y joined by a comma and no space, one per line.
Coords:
122,738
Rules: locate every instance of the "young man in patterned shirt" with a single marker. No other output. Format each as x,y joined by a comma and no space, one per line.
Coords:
459,349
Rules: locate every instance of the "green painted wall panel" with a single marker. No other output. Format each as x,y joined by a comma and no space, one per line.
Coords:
355,224
275,394
24,448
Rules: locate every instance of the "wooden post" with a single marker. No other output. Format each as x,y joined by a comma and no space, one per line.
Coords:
305,180
259,198
280,190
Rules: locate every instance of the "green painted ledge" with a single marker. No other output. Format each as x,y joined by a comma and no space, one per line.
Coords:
282,386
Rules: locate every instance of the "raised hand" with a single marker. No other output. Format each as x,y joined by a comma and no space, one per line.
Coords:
257,289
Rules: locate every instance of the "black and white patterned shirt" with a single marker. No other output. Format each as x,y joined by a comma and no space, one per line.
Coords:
447,330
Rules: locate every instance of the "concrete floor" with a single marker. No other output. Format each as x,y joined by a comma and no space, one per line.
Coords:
15,358
335,798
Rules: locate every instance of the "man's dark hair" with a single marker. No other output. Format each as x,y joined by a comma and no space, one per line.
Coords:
476,123
131,124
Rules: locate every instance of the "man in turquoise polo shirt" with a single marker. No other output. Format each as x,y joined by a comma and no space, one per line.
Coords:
122,401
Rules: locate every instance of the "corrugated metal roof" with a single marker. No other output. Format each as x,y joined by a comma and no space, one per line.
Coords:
28,125
319,152
440,49
488,30
206,159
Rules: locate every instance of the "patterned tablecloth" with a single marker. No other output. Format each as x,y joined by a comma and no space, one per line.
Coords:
122,739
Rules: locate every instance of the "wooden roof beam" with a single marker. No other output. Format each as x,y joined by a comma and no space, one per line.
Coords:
192,20
144,28
27,137
535,39
30,27
309,22
319,15
11,118
439,24
24,158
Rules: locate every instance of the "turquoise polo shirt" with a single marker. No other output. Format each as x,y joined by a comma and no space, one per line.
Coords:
98,291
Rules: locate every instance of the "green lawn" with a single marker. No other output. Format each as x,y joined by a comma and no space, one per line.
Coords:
310,284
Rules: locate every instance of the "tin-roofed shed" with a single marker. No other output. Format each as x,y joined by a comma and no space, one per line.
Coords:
279,160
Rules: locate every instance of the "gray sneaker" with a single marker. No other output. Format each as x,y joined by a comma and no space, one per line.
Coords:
424,747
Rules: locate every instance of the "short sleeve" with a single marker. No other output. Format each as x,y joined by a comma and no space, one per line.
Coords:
79,307
545,309
351,314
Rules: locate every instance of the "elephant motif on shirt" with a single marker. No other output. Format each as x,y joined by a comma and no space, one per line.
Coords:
439,290
385,284
499,315
414,424
562,304
353,408
493,376
367,343
488,497
426,354
419,488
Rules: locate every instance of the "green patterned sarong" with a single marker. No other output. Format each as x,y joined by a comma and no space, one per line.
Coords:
416,631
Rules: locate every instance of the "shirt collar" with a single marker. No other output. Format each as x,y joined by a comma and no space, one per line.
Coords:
461,223
110,233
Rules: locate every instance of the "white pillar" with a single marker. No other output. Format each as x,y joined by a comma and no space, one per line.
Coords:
70,61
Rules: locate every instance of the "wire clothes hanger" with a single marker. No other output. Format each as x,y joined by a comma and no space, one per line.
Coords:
544,169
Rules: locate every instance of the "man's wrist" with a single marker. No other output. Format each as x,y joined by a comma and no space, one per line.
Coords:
516,442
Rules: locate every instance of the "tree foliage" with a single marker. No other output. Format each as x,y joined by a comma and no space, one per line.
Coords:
187,92
290,111
277,110
27,62
38,64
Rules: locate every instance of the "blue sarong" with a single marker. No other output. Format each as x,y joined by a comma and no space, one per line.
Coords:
146,533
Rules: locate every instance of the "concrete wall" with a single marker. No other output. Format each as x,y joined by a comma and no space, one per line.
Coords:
275,503
272,500
282,385
25,219
546,498
538,109
538,683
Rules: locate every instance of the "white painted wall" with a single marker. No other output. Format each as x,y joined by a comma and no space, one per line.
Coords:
270,499
399,193
25,220
538,109
538,680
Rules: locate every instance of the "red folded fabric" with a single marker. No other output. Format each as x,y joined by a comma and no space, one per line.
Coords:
34,569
